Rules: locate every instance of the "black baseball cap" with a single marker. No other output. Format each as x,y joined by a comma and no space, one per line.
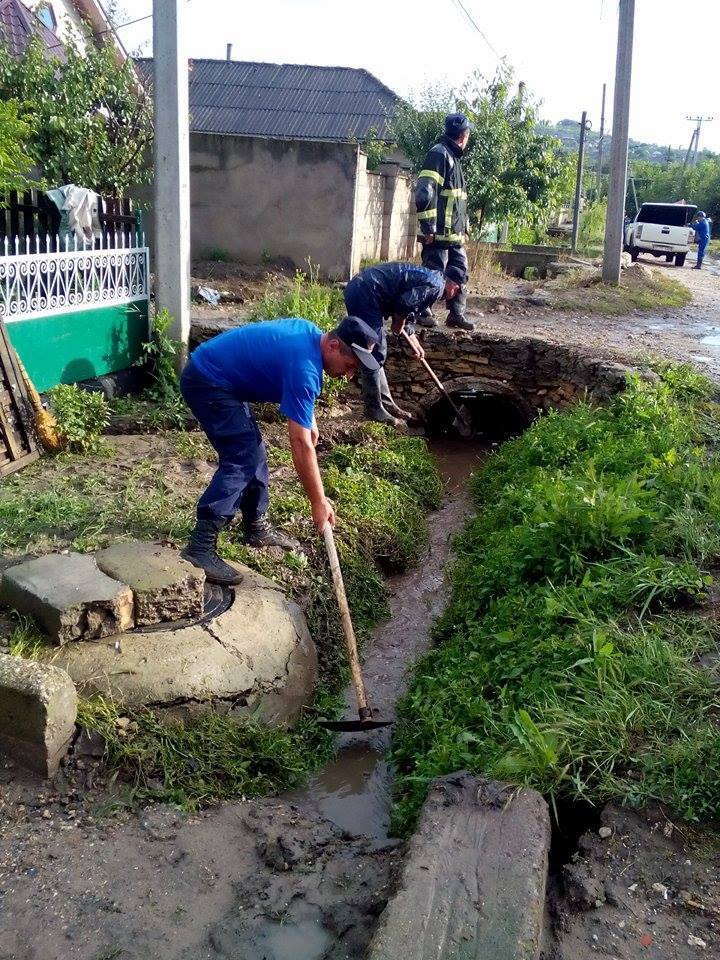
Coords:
362,340
455,124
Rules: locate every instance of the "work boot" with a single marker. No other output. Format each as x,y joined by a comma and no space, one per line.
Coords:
259,532
395,411
460,322
380,415
201,552
426,319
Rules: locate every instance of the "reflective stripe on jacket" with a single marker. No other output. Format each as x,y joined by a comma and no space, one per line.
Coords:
440,195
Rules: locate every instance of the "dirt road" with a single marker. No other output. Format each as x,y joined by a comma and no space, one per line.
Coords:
690,333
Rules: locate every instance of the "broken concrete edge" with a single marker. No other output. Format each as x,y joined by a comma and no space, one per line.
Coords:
38,710
474,876
74,596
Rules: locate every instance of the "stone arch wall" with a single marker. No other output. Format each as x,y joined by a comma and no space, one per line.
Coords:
533,374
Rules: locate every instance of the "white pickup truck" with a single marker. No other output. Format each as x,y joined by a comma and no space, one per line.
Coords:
662,229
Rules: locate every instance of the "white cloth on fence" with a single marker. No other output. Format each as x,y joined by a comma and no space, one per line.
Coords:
79,212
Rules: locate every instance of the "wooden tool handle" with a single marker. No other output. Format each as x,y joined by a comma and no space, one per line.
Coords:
436,381
350,643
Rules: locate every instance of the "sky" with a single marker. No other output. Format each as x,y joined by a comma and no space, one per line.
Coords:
564,50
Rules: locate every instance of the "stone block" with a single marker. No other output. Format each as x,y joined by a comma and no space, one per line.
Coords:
68,597
165,586
258,653
473,881
38,706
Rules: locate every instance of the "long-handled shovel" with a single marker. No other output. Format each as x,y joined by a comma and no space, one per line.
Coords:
366,721
463,418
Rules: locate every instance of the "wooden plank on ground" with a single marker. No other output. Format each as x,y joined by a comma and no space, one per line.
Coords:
18,445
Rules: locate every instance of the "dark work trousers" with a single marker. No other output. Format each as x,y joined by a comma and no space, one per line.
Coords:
435,257
702,247
241,479
359,302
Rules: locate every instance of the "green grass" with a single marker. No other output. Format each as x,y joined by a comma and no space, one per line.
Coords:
383,485
567,656
576,292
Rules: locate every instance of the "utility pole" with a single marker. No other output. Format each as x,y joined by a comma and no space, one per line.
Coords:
172,168
612,249
584,127
601,144
692,151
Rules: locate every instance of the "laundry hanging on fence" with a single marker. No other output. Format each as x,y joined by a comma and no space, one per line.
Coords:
79,213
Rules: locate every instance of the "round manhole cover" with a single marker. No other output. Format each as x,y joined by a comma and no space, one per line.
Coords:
216,601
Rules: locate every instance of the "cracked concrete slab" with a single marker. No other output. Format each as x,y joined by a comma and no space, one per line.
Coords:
473,881
68,596
165,586
259,650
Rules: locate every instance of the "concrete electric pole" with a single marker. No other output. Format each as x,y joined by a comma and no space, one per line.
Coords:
601,144
692,152
584,127
172,168
619,154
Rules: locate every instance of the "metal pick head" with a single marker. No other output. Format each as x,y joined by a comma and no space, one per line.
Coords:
354,726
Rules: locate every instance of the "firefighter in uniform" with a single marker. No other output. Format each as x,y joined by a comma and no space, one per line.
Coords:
441,202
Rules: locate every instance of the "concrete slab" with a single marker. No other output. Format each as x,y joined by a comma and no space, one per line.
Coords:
473,881
165,586
68,597
38,707
258,649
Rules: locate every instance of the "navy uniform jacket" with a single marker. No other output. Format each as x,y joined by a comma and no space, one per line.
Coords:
389,289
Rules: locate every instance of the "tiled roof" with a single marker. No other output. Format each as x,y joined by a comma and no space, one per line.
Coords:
286,101
18,25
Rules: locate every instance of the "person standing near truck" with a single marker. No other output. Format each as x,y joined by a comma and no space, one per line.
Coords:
701,226
441,202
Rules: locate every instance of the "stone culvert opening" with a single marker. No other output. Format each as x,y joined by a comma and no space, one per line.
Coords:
496,411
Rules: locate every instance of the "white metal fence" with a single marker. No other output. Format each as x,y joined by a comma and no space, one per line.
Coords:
34,283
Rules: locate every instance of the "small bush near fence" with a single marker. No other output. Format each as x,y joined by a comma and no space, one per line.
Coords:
82,416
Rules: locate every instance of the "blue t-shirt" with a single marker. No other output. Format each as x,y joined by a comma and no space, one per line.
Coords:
276,361
702,230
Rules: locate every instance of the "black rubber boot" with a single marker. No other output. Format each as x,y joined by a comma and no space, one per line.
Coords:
426,319
259,532
201,552
460,322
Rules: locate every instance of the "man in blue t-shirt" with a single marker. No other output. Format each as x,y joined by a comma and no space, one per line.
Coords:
278,361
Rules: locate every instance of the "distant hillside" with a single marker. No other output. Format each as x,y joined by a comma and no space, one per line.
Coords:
568,131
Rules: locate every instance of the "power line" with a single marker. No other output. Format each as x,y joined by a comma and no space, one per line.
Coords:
461,6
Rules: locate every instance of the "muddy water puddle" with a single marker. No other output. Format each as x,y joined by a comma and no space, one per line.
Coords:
354,792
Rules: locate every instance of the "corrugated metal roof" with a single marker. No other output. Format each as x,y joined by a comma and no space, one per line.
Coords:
286,100
18,25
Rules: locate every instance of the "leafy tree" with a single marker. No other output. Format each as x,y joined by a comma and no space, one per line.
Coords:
512,171
699,184
15,162
90,119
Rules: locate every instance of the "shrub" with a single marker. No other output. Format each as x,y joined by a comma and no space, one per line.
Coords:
82,415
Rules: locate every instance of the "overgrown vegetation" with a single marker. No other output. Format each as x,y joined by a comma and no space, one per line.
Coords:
308,298
568,656
81,415
15,162
89,119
